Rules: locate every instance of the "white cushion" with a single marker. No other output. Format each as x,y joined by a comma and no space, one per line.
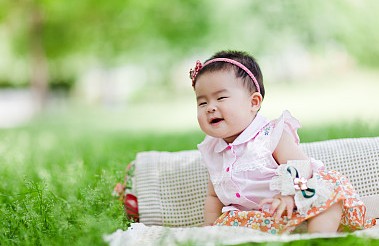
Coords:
171,186
358,160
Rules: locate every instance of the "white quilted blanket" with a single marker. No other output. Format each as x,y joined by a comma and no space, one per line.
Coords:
139,234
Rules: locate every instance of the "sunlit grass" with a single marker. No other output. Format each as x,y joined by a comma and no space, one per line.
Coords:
57,180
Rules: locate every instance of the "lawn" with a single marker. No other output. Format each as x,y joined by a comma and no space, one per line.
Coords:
57,175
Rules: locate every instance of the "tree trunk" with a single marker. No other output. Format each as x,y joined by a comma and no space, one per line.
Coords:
39,76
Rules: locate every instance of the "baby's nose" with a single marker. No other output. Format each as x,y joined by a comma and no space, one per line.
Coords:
211,108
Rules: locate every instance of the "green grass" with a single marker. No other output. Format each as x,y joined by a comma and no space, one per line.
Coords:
57,178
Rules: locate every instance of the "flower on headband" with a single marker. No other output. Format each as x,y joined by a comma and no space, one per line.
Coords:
195,71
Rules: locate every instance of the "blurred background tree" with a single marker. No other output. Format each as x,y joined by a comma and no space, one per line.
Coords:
48,34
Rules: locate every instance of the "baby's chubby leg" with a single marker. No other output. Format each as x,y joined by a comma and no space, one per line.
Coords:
327,221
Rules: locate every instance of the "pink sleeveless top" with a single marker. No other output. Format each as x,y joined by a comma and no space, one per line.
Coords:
241,171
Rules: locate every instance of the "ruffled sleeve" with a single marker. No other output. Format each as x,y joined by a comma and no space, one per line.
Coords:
286,122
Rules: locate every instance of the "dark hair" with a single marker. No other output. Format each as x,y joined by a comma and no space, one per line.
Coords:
242,57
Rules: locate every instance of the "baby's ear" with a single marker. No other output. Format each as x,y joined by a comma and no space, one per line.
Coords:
256,101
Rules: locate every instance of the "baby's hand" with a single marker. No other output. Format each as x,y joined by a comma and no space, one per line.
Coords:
279,204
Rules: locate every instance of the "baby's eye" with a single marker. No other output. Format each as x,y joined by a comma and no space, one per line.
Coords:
221,98
202,104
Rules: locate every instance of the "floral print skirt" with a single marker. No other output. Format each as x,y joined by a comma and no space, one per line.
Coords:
353,211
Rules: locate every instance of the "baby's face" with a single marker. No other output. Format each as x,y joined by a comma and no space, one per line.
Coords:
224,105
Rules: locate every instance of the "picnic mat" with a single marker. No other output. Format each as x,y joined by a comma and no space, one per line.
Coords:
139,234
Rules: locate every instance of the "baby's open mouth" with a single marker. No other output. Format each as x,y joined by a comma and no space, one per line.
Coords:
216,120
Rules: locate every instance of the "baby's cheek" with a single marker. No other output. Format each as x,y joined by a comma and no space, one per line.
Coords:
199,119
202,122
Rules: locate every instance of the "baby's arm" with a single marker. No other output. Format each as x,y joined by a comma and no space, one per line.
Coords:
327,221
213,206
286,150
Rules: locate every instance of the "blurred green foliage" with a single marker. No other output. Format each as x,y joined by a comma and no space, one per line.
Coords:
123,31
105,28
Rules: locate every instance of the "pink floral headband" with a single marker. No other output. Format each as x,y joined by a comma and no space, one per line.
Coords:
199,66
